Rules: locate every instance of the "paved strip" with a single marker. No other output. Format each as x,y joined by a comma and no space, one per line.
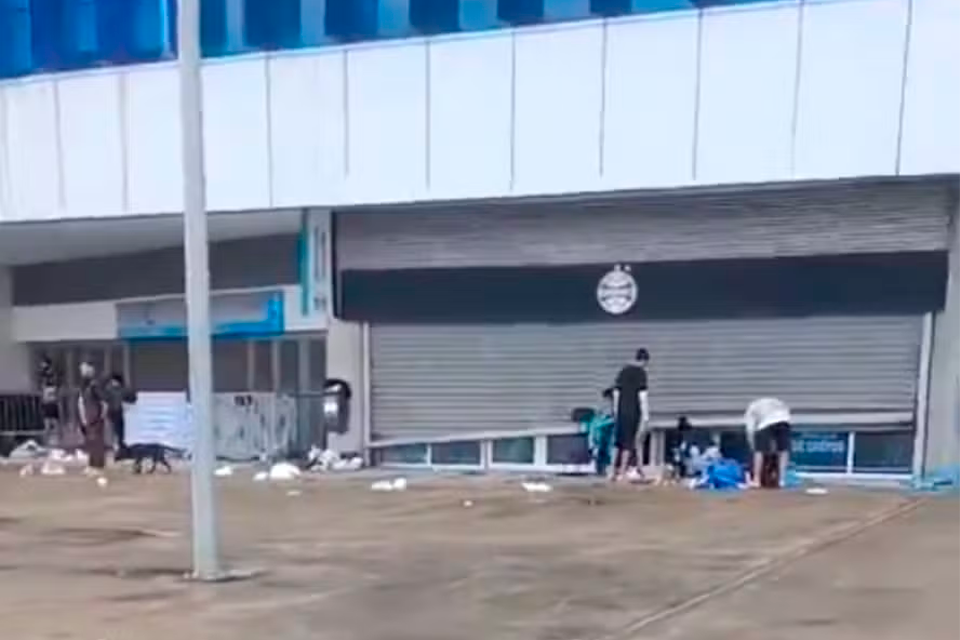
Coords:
763,569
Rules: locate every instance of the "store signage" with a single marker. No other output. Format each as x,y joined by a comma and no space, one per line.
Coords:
821,451
240,314
617,291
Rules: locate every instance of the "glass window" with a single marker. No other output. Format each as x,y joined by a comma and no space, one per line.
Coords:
520,12
272,24
466,453
351,20
883,452
290,365
566,9
513,451
159,365
229,365
401,454
568,449
477,15
824,451
263,365
16,55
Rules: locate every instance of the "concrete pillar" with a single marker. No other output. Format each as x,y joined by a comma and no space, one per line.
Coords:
942,451
345,360
15,365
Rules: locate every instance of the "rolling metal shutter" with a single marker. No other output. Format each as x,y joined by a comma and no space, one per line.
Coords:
795,221
437,380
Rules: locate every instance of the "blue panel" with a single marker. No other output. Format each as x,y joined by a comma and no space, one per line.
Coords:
16,50
140,324
352,20
222,27
656,6
435,16
520,12
819,451
477,15
566,9
272,24
393,19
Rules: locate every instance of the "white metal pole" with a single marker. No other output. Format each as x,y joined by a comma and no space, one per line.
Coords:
206,564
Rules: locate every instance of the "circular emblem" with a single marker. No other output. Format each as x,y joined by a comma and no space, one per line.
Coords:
617,291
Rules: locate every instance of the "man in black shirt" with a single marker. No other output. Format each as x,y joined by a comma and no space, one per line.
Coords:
631,411
49,400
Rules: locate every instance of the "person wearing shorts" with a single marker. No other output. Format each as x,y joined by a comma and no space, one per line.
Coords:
767,423
49,400
631,412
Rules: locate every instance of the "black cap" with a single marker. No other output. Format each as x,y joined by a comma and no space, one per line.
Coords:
642,355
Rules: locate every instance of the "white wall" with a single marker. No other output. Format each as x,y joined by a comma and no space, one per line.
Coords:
753,93
15,365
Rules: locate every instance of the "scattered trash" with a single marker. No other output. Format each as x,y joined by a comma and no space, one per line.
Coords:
59,455
27,451
536,487
468,503
284,471
261,476
102,482
816,491
52,468
329,460
27,470
791,479
294,493
224,472
721,475
397,484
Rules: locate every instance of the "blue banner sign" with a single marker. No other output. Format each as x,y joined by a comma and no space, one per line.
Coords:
819,451
241,314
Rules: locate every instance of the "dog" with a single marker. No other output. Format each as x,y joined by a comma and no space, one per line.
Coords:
155,453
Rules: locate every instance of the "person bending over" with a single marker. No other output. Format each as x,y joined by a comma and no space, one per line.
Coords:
631,412
767,423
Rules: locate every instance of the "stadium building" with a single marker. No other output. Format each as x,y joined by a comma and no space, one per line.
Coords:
475,211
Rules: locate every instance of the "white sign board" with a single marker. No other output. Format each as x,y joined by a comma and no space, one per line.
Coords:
159,418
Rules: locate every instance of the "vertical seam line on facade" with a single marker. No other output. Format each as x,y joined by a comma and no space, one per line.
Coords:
268,109
345,105
797,71
903,86
513,109
124,142
6,195
58,147
428,113
604,40
696,95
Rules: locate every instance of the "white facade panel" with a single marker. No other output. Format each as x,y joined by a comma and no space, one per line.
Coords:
931,110
387,122
153,149
650,101
851,72
307,141
236,135
91,144
767,92
748,72
471,90
34,186
557,102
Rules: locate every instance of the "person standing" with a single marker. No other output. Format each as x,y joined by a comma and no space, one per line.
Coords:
49,380
92,413
767,423
118,395
631,412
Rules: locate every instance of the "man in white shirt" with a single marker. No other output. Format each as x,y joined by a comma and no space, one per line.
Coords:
767,422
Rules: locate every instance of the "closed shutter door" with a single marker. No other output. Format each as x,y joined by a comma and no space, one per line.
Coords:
799,221
437,380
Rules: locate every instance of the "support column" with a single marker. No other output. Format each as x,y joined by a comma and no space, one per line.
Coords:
15,366
942,450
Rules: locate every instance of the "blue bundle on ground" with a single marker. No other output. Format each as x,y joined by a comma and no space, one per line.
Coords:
724,474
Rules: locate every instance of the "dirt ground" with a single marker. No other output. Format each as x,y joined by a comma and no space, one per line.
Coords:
471,558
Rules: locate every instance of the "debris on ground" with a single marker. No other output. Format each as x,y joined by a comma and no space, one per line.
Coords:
27,470
330,460
261,476
224,472
397,484
29,450
536,487
52,467
102,482
816,491
284,471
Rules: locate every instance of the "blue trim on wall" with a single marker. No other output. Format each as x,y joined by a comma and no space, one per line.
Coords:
40,36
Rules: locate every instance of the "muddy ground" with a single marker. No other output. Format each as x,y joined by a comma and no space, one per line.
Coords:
471,558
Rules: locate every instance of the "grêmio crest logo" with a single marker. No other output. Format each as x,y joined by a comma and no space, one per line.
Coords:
617,291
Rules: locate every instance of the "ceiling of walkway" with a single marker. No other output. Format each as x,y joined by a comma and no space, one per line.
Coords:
57,240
